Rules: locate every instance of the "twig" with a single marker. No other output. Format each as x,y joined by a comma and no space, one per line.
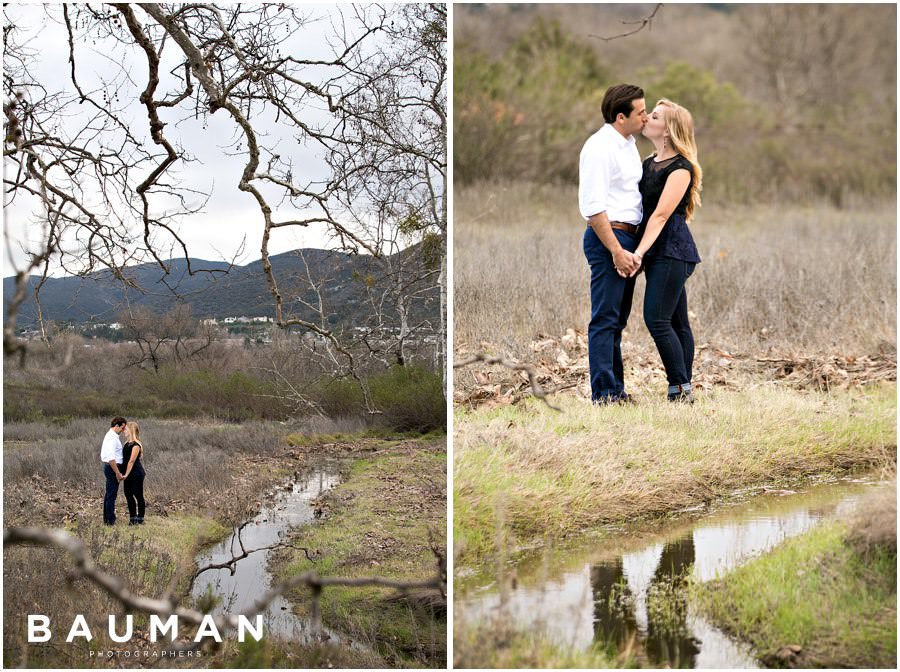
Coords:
532,378
647,21
117,589
231,565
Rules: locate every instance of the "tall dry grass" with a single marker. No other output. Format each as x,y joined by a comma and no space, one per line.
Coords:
789,278
181,458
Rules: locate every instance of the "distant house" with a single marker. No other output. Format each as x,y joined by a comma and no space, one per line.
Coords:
210,321
115,325
230,320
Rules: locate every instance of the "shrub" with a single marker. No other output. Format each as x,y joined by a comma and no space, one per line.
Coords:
411,399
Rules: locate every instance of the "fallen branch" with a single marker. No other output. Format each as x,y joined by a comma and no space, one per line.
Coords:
532,377
115,587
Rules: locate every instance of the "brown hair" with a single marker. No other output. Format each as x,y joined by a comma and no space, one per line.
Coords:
619,99
116,421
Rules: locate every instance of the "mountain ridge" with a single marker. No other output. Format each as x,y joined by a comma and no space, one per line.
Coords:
243,291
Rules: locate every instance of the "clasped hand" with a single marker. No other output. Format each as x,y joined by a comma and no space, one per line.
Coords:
627,264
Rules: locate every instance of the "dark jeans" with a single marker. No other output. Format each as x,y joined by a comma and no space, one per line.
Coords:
112,491
666,316
134,492
611,296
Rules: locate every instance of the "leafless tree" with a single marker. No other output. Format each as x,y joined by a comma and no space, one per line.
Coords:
175,336
109,192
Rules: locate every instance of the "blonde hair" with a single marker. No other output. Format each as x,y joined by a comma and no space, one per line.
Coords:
680,125
134,433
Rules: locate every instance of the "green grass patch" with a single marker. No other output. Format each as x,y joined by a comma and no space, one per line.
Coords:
814,591
526,472
380,522
385,435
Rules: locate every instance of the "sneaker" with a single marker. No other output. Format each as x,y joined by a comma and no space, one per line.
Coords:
627,399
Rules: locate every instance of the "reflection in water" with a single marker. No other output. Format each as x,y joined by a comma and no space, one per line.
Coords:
635,597
659,606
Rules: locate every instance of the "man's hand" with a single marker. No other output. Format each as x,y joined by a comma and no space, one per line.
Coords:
626,263
120,477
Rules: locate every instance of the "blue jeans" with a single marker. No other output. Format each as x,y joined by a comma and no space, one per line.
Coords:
112,491
666,316
611,296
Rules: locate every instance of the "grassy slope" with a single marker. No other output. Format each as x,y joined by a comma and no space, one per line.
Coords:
817,592
526,472
379,521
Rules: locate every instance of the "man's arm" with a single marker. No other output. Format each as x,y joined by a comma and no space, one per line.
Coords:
115,468
624,260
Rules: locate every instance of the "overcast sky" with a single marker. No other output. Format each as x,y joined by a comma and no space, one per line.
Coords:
230,216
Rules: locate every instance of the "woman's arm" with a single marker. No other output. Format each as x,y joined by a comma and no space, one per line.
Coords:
677,184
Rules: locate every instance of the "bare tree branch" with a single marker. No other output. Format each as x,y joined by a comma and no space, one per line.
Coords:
646,22
115,587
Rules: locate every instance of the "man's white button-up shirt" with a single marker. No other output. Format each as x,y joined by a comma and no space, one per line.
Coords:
609,172
112,448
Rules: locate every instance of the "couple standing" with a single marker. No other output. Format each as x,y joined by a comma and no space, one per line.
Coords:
114,457
637,217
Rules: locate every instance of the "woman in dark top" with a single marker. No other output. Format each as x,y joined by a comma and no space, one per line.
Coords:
670,189
132,454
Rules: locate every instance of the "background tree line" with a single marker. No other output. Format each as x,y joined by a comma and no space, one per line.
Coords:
791,102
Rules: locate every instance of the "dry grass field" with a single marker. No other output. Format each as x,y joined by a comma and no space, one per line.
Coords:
773,277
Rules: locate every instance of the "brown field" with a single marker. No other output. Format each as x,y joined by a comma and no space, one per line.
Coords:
773,278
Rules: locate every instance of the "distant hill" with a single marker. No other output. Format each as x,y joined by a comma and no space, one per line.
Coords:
240,291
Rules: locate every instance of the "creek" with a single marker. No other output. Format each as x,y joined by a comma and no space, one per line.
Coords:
626,591
283,508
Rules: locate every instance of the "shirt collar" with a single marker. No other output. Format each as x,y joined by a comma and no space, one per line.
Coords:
620,140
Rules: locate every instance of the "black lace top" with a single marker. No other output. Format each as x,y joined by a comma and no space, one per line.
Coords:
675,240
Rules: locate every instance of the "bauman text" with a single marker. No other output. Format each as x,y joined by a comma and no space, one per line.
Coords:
39,628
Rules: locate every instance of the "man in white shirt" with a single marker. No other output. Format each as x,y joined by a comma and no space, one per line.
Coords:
111,456
610,201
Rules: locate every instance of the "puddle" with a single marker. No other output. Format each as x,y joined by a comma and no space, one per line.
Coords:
623,592
289,507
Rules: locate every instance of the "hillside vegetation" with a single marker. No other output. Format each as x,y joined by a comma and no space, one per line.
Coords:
776,91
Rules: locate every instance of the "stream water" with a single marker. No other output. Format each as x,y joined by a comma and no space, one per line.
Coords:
609,591
286,507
